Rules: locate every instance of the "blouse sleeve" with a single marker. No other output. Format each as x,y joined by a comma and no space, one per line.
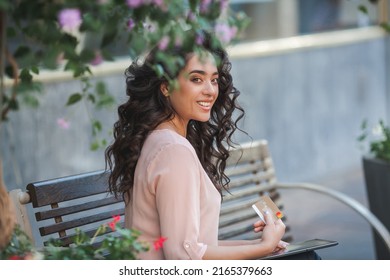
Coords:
175,180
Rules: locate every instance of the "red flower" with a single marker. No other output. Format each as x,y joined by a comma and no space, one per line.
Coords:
116,218
112,224
16,257
158,244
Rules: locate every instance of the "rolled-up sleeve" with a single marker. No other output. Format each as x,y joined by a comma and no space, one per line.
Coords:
175,181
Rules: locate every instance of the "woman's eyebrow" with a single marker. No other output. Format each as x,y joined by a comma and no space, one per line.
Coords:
201,72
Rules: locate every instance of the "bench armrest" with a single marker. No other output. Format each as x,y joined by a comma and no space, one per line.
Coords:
347,200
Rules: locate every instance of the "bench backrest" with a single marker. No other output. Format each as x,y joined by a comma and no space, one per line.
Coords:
60,206
250,169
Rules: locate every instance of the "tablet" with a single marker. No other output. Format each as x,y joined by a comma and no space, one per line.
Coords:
300,247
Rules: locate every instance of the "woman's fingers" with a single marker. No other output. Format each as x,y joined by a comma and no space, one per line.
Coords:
258,226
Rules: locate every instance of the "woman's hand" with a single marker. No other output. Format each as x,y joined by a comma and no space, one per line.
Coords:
259,226
282,245
273,231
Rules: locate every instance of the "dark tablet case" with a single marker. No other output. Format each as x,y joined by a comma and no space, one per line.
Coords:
300,247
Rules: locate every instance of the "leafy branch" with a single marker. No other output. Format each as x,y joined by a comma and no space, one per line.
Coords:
56,35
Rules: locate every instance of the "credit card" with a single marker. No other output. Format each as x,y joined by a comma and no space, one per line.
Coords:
266,203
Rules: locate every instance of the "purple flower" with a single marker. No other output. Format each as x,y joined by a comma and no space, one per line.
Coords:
63,123
158,3
204,5
130,24
98,59
69,18
191,16
199,39
224,32
163,44
178,42
134,3
224,4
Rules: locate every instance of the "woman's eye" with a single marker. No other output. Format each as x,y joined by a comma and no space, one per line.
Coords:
214,81
196,80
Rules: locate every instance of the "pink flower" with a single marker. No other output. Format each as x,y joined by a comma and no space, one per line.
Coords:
224,4
178,42
163,44
224,33
63,123
191,16
158,244
158,3
134,3
69,18
98,58
204,5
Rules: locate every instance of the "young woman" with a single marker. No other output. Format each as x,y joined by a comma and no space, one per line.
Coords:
169,155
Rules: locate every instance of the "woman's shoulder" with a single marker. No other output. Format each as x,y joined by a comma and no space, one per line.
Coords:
166,140
166,137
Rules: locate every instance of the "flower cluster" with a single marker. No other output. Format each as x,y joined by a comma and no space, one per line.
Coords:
123,246
19,247
378,138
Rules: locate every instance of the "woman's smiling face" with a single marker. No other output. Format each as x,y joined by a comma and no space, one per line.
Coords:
197,89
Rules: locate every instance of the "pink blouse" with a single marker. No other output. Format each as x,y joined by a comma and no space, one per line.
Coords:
174,198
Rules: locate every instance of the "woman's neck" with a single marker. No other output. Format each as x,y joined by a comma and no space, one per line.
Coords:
175,125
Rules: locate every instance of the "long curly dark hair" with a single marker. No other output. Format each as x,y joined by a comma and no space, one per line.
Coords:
146,108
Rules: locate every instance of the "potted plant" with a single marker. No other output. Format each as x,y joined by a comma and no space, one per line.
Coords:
376,167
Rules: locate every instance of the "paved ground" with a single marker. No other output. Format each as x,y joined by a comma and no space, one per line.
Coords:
319,216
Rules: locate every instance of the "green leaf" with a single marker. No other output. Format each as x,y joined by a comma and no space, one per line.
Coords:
94,145
25,76
87,55
74,98
385,26
31,101
159,70
108,38
13,104
35,70
363,9
22,51
107,55
96,127
9,71
91,98
11,32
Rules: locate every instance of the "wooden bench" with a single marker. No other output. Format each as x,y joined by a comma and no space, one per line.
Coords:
57,207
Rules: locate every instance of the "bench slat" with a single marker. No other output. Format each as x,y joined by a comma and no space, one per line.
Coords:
46,230
57,212
67,188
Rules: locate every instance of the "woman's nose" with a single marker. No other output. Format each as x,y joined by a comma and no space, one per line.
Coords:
210,88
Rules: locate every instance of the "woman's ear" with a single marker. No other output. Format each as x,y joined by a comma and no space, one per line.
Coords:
164,89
